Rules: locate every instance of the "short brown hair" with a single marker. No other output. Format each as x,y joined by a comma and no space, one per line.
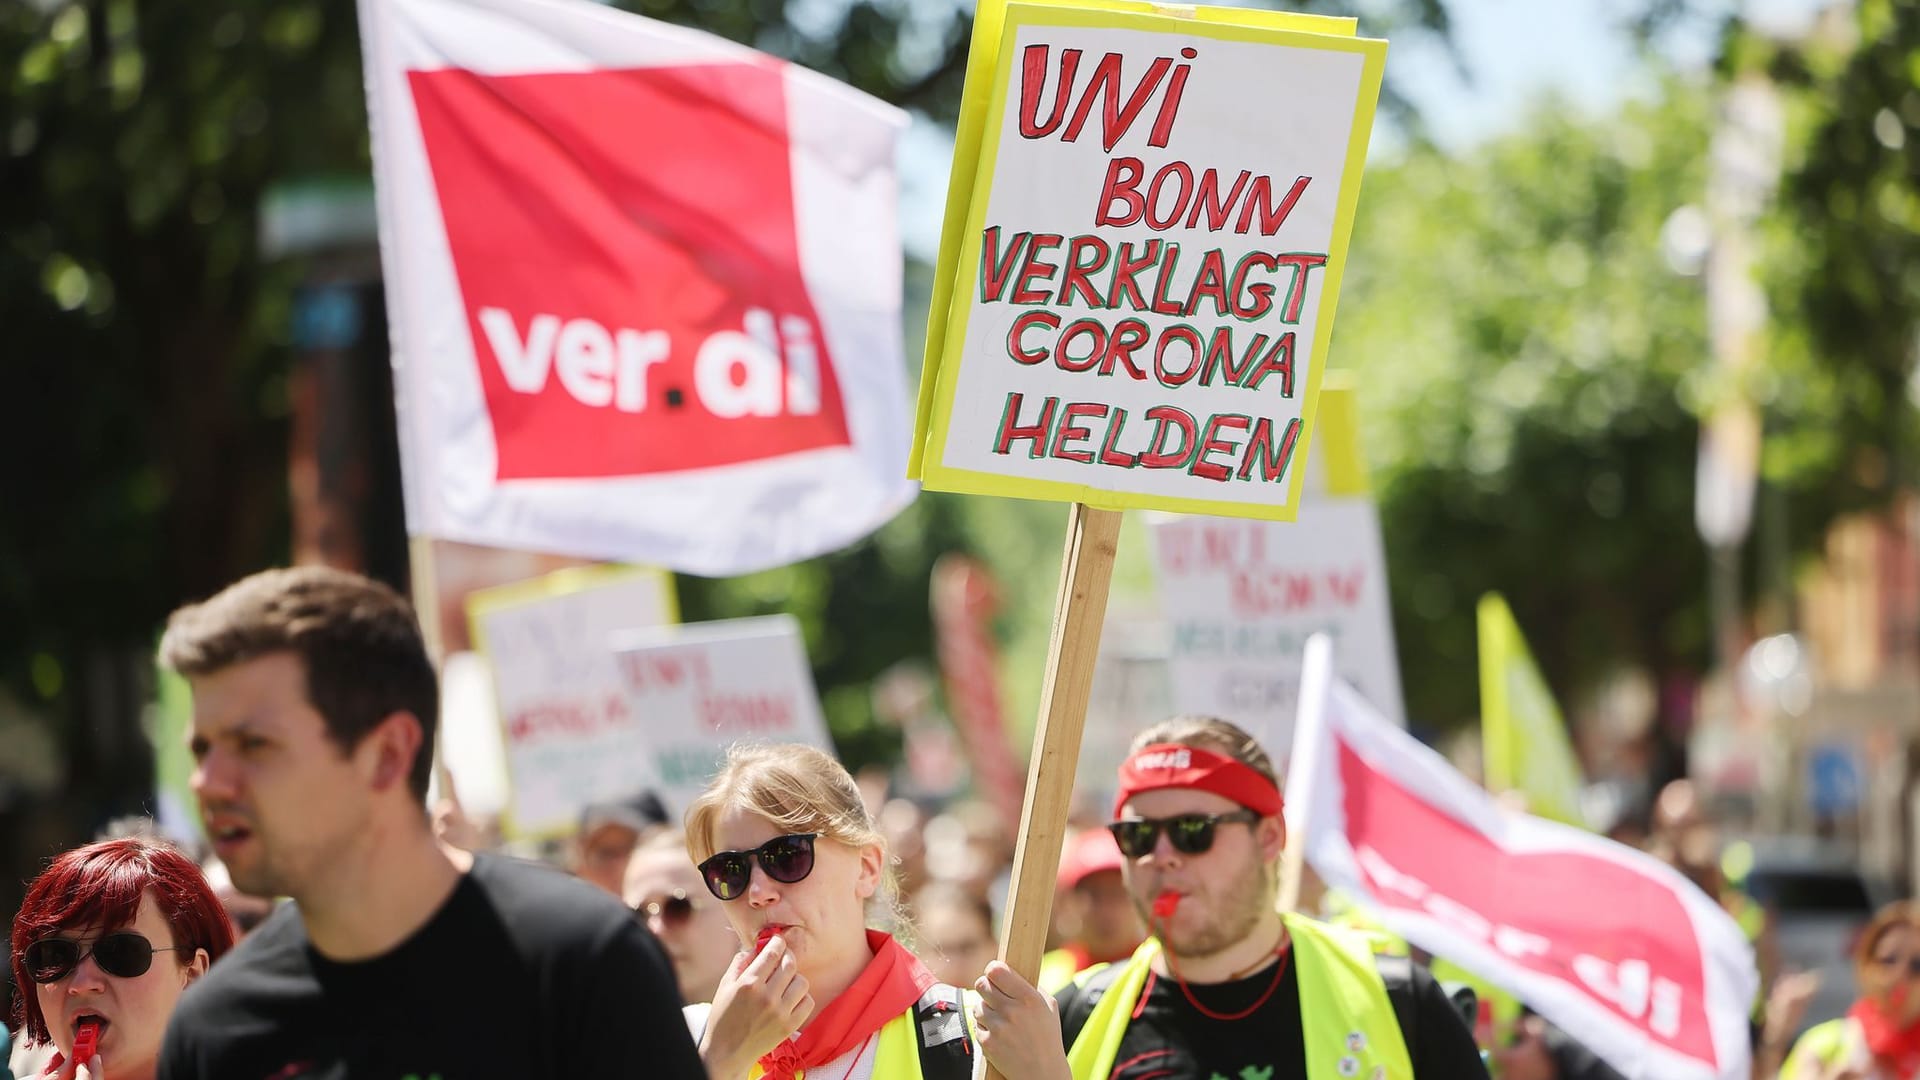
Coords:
357,639
1899,913
1209,733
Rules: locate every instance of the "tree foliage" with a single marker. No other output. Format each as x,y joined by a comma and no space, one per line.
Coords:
1844,261
1524,354
1535,370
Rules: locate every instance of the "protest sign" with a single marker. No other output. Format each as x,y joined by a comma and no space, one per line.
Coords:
1142,296
1607,942
571,738
1063,306
1524,743
644,286
694,690
1242,597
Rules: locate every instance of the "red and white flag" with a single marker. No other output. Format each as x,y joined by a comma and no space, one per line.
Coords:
1610,944
643,285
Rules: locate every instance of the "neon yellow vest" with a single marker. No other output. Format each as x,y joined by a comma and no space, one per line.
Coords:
1506,1008
897,1054
1821,1048
1057,969
1750,916
1350,1028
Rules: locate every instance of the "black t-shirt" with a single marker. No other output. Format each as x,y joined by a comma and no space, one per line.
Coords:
523,972
1171,1040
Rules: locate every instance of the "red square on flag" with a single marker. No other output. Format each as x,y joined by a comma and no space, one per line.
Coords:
627,253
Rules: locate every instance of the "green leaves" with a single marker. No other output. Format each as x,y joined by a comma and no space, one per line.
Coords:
1522,346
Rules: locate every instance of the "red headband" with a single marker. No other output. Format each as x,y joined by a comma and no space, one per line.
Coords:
1171,765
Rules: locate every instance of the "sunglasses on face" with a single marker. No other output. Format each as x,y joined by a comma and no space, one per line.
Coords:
673,909
124,955
1191,834
1912,964
785,859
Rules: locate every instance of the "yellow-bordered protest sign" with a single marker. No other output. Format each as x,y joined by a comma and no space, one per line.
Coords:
1144,244
1132,180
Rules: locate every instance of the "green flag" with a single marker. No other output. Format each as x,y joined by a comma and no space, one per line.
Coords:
1524,742
169,719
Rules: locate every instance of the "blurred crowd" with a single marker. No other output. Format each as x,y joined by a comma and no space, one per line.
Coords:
910,894
949,879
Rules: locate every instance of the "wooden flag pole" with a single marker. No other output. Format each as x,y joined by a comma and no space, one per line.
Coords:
1093,536
424,585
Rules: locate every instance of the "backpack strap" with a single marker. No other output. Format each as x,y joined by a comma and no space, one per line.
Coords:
946,1043
1397,973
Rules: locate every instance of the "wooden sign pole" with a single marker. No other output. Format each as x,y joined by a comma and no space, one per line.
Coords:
1093,536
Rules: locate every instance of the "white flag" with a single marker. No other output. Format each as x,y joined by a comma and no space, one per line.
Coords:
1609,943
643,284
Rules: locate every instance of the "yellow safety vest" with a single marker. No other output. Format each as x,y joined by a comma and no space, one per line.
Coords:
1828,1044
1057,969
1505,1007
897,1055
1349,1025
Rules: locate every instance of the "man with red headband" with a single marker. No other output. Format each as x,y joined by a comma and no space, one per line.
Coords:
1226,988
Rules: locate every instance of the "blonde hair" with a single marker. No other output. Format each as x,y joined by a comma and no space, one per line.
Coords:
797,788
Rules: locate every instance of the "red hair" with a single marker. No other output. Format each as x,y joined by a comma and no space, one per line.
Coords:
100,886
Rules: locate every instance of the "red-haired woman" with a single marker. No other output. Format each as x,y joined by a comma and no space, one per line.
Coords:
108,938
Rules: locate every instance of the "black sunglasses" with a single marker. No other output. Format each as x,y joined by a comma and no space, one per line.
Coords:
1913,964
786,859
674,908
125,955
1191,834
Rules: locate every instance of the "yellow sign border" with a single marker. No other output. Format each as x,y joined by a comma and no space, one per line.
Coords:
948,317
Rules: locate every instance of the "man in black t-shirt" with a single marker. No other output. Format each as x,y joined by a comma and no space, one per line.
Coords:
313,705
1227,988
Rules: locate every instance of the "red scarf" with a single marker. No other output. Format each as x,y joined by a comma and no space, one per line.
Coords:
1895,1049
893,981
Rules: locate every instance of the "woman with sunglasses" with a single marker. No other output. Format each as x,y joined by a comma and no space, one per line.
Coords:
108,938
785,844
1879,1038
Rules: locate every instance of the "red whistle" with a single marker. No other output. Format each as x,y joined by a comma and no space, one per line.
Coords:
765,938
86,1041
1164,904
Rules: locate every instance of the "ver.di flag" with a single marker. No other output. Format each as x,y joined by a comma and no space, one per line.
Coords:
643,286
1609,943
